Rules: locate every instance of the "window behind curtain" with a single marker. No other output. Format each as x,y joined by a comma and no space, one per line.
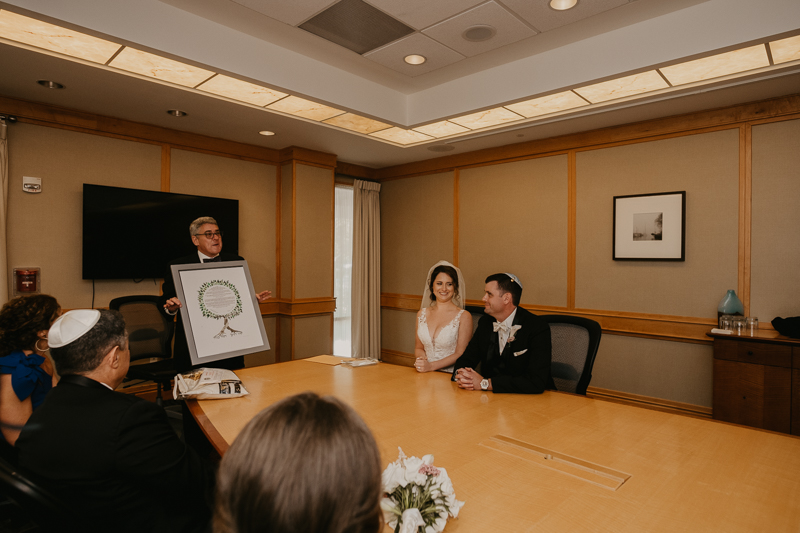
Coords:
343,269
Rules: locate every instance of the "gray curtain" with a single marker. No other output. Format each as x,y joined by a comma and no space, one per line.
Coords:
366,333
4,268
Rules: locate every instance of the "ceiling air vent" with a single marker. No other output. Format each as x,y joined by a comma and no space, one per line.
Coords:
356,25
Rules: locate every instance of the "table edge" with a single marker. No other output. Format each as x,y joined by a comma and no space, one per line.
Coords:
214,437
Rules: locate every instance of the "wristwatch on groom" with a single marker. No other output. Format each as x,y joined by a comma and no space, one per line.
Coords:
484,384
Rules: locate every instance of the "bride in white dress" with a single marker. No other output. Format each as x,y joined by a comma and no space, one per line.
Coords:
443,328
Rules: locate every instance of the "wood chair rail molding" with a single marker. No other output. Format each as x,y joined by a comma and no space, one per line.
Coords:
304,155
783,108
652,326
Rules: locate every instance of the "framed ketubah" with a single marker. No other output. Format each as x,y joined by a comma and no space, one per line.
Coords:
220,311
650,227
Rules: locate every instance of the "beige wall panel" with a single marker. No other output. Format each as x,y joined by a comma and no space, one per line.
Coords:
287,209
314,255
285,325
266,357
253,184
775,279
706,166
677,371
312,336
513,218
416,230
44,230
398,330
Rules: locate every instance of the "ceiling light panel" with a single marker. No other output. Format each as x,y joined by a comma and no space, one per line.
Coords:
54,38
785,50
509,29
622,87
357,123
160,68
441,129
401,136
301,107
484,119
241,90
547,104
716,66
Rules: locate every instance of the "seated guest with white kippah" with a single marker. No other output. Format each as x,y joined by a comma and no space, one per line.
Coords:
511,344
111,457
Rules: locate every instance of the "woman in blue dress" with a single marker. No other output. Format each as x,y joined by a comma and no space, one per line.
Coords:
26,372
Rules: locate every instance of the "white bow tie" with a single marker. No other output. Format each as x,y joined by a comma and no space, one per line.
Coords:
499,325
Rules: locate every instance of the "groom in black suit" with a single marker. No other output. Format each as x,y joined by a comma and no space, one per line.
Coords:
207,236
511,345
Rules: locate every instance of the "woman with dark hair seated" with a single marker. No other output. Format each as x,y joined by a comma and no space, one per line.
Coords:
305,464
26,373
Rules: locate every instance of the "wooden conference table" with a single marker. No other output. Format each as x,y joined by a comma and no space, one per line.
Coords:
549,462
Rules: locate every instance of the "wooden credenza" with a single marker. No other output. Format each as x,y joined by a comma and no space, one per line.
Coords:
757,381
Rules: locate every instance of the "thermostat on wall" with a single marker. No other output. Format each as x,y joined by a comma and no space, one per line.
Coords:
31,184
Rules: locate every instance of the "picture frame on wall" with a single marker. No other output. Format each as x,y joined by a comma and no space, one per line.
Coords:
650,227
220,311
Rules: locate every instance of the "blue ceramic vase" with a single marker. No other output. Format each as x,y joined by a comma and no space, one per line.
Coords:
730,305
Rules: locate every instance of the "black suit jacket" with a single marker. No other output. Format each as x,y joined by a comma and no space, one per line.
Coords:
527,372
115,460
183,361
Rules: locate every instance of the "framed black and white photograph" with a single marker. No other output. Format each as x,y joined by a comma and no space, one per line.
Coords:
220,311
650,227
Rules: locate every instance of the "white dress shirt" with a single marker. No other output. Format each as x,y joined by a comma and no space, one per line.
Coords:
503,334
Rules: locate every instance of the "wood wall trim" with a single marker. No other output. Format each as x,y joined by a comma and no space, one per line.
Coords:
294,238
661,327
572,224
648,402
69,119
278,206
745,213
456,211
296,153
355,171
307,306
776,108
166,167
393,357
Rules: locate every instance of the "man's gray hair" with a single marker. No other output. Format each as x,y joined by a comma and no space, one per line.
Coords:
194,227
87,352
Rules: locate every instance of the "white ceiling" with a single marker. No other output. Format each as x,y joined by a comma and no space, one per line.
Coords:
544,53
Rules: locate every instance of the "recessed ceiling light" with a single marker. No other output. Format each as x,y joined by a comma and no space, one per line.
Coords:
479,33
266,133
177,112
50,84
415,59
563,5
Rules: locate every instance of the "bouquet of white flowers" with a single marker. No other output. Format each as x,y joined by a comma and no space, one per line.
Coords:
419,497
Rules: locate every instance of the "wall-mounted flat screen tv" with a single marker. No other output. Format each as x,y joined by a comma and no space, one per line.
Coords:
133,234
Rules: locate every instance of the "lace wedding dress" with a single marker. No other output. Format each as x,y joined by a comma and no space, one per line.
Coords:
445,342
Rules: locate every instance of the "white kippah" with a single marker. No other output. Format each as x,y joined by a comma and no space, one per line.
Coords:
71,326
514,278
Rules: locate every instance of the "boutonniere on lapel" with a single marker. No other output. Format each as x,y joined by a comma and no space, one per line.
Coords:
512,333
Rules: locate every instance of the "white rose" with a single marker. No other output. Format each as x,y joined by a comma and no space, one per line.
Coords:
393,476
411,520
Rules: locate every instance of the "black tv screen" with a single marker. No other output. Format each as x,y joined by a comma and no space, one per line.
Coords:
133,234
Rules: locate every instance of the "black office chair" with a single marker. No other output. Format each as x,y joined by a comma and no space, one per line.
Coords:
574,342
150,336
25,506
